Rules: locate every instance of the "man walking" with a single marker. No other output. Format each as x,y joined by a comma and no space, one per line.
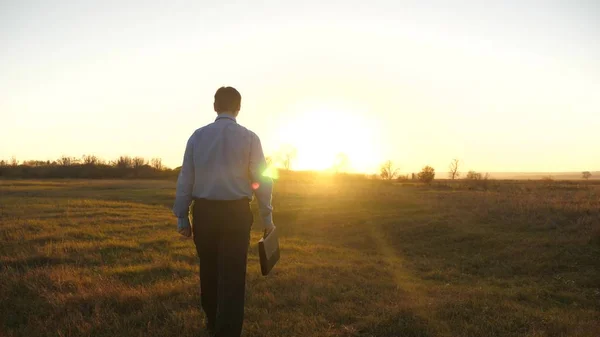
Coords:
222,168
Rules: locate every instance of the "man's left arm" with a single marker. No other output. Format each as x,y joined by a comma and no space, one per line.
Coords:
185,187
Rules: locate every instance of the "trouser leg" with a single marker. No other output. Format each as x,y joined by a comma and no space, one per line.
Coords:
206,239
232,252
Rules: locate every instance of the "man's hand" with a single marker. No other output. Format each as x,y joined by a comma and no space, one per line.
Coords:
268,230
184,227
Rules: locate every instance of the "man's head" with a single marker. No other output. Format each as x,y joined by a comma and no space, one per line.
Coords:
228,100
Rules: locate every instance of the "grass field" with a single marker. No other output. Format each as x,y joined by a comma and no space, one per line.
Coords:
359,258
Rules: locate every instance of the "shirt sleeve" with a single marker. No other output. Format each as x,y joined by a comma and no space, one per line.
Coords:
185,182
261,184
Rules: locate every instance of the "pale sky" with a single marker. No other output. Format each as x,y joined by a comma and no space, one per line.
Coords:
502,85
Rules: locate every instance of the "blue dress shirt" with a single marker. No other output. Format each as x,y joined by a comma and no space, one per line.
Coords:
224,161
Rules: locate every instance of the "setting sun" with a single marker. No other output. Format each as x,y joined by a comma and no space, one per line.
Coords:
320,135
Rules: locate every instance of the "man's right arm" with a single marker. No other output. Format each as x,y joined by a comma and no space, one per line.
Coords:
185,183
261,184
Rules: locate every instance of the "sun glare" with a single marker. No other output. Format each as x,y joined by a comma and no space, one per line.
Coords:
321,135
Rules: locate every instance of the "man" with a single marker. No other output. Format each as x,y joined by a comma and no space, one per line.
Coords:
222,168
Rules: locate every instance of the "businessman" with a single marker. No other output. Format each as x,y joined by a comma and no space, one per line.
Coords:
222,169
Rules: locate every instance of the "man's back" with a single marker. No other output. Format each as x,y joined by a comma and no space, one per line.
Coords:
221,156
222,161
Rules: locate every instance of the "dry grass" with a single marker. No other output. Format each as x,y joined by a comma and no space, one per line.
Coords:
360,258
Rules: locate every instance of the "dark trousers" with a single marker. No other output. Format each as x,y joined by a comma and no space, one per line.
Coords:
222,234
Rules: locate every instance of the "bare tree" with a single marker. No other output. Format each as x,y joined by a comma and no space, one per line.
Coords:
586,175
341,163
34,163
387,171
90,160
67,161
14,161
138,162
453,174
157,164
288,154
123,162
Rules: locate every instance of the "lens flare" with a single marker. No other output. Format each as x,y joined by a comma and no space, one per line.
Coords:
271,172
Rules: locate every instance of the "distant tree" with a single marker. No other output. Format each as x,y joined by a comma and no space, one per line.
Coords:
427,174
157,164
341,163
35,163
138,162
67,161
90,160
123,162
454,169
288,154
402,177
586,175
14,161
3,163
472,175
387,171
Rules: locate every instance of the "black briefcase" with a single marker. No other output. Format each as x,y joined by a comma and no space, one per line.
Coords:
268,251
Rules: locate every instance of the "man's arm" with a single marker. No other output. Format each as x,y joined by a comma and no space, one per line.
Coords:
261,184
185,183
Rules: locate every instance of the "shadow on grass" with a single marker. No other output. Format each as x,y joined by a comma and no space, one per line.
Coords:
491,317
122,255
127,314
158,245
26,310
191,259
19,304
47,261
151,275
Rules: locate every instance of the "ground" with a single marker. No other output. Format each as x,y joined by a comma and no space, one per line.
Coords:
359,258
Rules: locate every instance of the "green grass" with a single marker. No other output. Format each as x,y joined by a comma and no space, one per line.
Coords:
359,258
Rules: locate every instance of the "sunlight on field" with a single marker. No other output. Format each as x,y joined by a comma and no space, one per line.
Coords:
359,258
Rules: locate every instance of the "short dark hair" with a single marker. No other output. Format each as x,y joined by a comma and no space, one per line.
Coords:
227,99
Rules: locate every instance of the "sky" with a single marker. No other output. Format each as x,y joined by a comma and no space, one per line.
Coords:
503,86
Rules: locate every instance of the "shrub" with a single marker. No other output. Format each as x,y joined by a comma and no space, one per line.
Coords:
402,177
472,175
427,174
477,179
548,178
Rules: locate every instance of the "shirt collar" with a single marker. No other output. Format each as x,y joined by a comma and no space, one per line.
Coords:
225,116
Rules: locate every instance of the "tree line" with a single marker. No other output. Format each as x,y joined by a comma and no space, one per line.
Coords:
387,171
88,166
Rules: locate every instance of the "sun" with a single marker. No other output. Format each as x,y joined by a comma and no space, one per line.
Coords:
322,136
